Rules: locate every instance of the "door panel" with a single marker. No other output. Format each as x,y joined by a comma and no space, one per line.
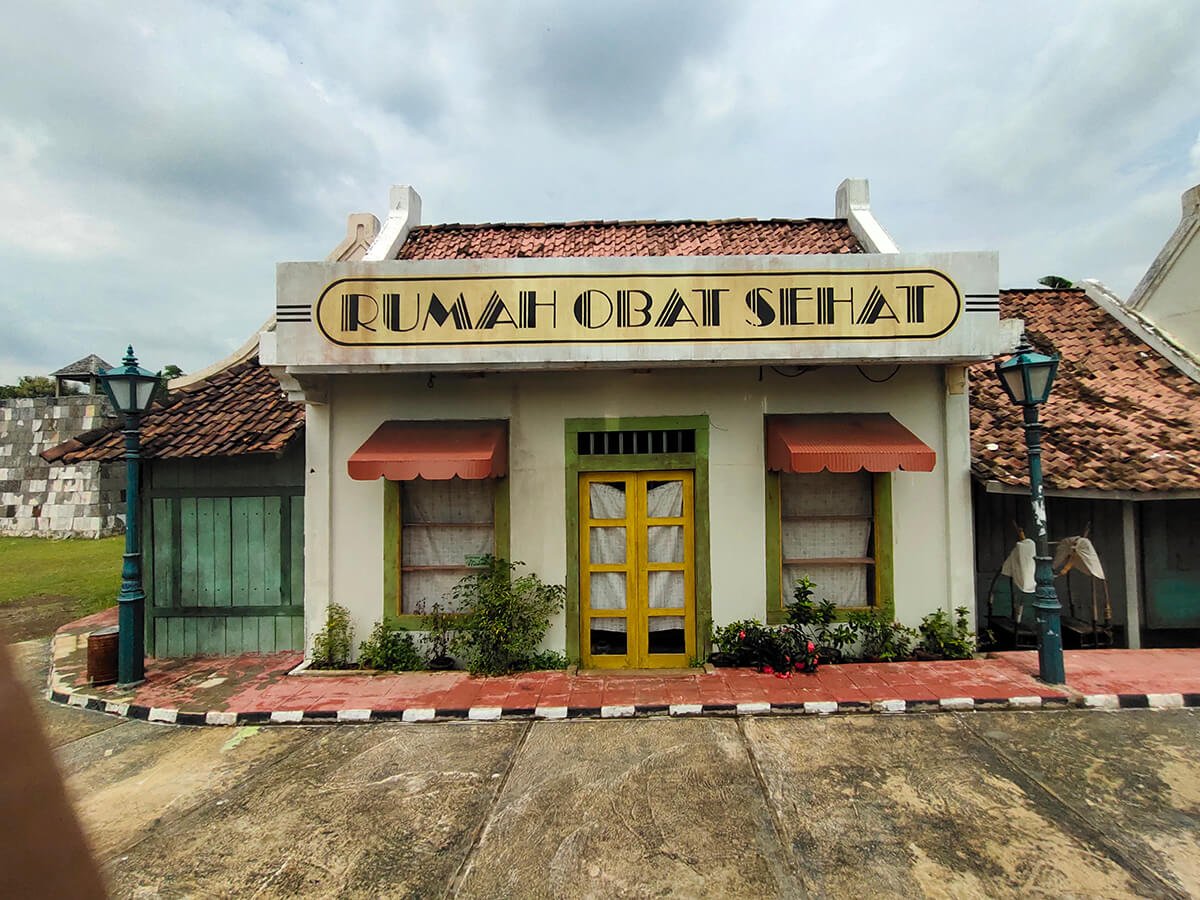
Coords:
637,569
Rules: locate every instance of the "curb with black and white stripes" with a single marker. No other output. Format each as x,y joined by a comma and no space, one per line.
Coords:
497,713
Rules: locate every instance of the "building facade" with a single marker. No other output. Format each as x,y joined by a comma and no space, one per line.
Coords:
675,420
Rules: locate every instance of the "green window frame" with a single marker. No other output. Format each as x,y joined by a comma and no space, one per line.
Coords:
392,524
696,461
885,601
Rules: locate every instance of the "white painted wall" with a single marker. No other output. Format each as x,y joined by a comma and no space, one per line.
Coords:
1174,306
1168,296
536,405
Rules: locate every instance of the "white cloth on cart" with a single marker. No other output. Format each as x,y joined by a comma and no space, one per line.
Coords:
1020,566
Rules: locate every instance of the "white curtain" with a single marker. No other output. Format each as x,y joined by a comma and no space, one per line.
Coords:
665,543
805,501
442,524
823,539
665,500
826,494
607,545
608,500
453,500
608,591
844,585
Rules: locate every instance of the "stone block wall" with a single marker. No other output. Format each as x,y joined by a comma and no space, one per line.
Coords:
36,498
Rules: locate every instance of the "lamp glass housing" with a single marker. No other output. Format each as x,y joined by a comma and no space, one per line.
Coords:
129,387
1028,377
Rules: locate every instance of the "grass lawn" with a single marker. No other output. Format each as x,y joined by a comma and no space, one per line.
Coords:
87,572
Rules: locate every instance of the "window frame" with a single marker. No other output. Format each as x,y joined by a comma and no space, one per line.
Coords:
393,600
881,497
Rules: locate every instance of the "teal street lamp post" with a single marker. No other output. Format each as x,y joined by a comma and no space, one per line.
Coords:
1027,378
130,389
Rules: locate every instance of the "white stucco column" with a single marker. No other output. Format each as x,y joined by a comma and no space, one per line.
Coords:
317,522
1133,595
956,470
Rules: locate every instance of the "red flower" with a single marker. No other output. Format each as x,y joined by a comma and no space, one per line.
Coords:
741,635
768,670
811,647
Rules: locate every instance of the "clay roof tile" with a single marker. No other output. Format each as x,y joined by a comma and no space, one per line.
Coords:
1120,416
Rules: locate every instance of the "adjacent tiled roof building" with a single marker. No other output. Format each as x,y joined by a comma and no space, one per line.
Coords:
1120,416
722,237
238,411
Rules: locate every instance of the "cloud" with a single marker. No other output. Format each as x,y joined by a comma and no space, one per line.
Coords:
157,159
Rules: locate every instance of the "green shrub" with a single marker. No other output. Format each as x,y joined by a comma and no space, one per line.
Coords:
331,645
389,650
731,640
781,649
818,621
547,659
952,640
439,626
504,617
882,639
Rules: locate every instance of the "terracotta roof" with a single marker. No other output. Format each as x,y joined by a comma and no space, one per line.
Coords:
724,237
1120,416
238,411
86,367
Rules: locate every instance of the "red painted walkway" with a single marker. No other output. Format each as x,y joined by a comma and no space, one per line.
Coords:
256,687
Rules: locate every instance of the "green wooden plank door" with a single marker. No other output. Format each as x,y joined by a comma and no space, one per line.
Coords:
222,543
205,563
295,558
162,551
243,553
188,575
239,551
272,556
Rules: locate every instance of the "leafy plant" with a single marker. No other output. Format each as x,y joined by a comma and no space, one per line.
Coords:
953,640
504,617
439,626
389,650
547,659
880,638
331,645
731,640
780,650
819,622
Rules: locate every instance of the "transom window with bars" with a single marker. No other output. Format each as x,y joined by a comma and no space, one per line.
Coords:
827,532
636,441
442,525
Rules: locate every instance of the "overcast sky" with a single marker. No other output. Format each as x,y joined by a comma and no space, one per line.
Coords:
157,159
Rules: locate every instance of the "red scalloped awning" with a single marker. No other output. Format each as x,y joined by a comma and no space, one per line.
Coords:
845,442
435,451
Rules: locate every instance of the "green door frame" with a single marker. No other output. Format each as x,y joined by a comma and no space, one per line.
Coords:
697,462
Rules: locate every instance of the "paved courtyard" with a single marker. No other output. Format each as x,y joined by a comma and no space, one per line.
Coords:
996,804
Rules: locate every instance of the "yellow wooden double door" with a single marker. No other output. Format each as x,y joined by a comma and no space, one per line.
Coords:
637,569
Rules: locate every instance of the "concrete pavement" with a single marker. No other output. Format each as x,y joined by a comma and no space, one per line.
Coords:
996,804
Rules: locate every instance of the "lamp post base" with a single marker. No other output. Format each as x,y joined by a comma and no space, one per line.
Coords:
131,648
1050,650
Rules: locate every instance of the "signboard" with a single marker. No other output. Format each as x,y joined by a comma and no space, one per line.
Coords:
523,308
